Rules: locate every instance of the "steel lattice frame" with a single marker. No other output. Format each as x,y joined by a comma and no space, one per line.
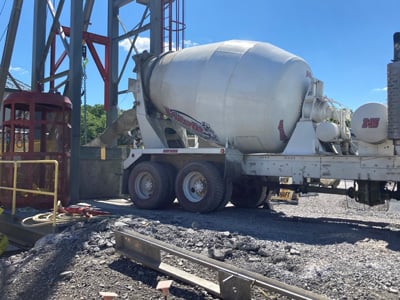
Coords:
68,81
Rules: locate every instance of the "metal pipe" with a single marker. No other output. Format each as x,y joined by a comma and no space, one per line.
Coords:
393,95
75,80
396,46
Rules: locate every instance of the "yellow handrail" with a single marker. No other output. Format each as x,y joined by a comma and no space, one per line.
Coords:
15,189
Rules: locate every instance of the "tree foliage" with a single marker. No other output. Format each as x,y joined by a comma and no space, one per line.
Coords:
95,121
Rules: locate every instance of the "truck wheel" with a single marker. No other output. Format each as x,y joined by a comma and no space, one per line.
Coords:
149,185
248,192
199,187
227,195
171,181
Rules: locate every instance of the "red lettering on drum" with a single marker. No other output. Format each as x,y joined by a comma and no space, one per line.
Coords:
370,123
282,134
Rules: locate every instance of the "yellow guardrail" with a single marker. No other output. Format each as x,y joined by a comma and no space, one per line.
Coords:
15,189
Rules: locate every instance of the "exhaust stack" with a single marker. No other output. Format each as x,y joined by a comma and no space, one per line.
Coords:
393,95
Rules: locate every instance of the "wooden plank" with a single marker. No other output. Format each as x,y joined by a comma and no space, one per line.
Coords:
190,278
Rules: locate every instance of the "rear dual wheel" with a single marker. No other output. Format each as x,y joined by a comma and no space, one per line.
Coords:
151,185
249,192
199,187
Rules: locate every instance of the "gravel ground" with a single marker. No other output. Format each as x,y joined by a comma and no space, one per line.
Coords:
326,244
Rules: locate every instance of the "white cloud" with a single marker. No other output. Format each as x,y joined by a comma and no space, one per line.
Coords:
18,70
384,89
143,43
189,43
186,44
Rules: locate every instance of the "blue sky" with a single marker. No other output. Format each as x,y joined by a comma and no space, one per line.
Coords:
347,43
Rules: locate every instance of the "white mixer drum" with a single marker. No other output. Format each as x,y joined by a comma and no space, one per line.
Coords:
369,123
249,93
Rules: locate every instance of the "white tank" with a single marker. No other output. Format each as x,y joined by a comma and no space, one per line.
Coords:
369,123
249,93
327,131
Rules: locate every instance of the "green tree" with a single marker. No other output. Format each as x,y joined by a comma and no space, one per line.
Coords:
95,121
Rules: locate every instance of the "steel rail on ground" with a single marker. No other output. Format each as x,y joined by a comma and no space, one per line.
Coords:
233,282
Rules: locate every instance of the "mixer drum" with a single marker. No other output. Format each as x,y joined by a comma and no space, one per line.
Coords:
247,93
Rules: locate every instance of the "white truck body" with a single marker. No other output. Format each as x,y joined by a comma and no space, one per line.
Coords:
261,115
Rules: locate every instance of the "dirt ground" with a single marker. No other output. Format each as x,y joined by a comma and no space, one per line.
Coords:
325,244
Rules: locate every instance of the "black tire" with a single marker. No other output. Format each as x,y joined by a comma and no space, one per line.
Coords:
249,192
171,181
227,195
149,185
199,187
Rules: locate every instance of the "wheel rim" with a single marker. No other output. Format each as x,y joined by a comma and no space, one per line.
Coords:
144,184
194,187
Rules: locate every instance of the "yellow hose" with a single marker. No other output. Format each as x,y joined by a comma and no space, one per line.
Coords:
47,219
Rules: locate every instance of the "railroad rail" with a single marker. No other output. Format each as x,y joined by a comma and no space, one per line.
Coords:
233,283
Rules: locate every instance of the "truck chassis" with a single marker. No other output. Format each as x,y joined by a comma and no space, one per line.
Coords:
206,179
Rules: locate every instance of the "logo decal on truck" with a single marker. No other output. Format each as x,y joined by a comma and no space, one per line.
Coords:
282,135
201,129
370,123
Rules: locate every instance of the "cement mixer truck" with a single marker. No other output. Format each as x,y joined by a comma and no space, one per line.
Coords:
223,122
